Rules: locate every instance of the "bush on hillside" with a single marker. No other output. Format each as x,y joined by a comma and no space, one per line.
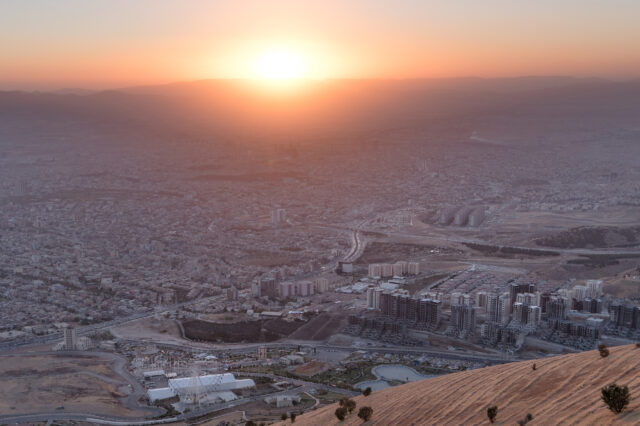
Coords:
526,419
365,413
341,413
492,412
367,391
604,351
616,397
348,403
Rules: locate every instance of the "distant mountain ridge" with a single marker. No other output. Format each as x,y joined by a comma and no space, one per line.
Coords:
358,107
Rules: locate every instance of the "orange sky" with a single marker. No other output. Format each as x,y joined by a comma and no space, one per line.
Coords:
111,43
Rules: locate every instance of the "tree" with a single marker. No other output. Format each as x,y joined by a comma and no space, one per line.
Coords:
365,413
367,391
293,417
341,413
533,367
249,423
492,412
616,397
350,404
283,416
604,352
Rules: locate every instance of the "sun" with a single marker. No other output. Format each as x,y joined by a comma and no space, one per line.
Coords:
280,65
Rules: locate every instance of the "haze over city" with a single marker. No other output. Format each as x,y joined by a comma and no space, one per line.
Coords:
252,212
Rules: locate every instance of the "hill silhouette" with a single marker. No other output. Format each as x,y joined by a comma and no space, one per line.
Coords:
562,390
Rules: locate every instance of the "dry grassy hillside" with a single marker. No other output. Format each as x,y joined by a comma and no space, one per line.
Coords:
562,390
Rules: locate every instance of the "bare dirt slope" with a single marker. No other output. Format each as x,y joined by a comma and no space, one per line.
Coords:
562,390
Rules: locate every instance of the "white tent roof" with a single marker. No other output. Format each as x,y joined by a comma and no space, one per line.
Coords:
160,393
208,380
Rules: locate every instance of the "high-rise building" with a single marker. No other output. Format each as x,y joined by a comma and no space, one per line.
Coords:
305,288
370,298
287,289
322,285
70,339
456,298
517,288
375,270
557,308
397,270
534,315
413,268
498,308
402,267
482,300
593,306
377,293
579,292
463,317
402,306
269,287
387,270
624,315
527,298
594,289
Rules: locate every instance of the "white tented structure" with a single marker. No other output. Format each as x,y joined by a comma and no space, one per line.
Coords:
197,389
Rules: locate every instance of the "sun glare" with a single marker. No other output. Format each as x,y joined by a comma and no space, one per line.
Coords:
280,65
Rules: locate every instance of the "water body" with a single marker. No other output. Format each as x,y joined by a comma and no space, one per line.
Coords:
393,372
400,373
373,384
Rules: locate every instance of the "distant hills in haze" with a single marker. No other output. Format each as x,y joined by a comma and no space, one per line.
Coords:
348,107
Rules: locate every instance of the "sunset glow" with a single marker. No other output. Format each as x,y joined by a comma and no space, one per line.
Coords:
154,42
280,65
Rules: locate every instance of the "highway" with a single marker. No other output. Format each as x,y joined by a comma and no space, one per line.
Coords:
92,328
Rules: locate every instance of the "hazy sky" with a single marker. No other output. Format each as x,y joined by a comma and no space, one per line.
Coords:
107,43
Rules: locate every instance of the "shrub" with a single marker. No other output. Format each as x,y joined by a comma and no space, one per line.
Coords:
283,416
249,423
293,417
638,345
341,413
604,352
348,403
533,367
616,397
492,412
526,419
367,391
365,413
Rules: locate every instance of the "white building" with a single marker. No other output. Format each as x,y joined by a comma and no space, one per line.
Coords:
322,285
387,270
188,387
375,270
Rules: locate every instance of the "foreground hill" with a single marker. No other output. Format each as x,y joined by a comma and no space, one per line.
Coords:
562,390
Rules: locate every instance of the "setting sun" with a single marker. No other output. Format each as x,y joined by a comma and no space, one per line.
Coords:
280,65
